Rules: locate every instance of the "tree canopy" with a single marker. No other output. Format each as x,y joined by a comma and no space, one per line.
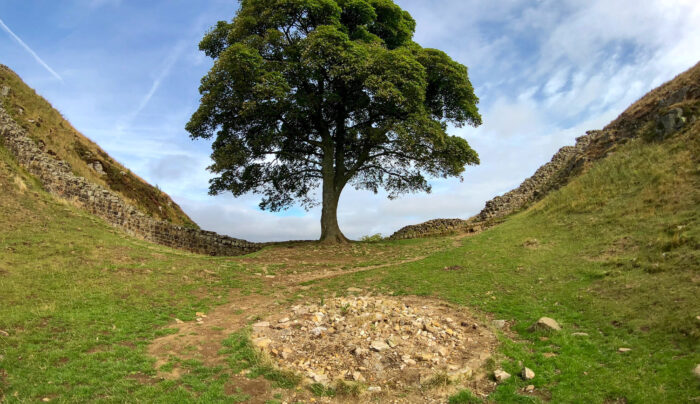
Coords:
305,93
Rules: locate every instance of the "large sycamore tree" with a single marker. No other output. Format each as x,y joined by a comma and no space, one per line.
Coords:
305,93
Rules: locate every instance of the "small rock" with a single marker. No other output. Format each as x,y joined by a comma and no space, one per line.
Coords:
623,350
391,342
530,388
499,323
546,323
360,351
443,351
463,372
317,331
200,314
46,399
261,324
178,321
4,333
697,371
527,374
374,389
580,334
283,320
357,376
379,346
501,375
262,342
407,360
319,377
354,290
549,354
5,91
425,357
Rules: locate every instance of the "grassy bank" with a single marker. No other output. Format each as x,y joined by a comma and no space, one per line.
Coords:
613,255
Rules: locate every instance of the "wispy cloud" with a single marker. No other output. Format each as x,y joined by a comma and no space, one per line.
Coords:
31,52
173,57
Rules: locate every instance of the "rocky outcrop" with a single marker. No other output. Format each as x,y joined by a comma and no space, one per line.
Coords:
546,178
434,227
58,179
661,113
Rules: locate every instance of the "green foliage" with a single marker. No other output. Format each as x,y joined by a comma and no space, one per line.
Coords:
243,355
616,257
600,267
372,239
304,92
465,397
348,389
319,390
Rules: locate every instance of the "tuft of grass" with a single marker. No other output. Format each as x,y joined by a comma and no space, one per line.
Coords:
438,380
320,390
244,356
465,397
347,389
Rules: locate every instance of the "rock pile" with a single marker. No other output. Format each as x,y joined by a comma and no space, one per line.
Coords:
376,341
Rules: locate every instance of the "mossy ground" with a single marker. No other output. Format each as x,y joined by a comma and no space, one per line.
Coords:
613,254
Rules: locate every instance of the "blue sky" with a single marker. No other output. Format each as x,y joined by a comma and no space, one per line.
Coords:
126,73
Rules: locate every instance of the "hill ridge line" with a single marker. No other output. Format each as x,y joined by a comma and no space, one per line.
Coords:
57,179
657,115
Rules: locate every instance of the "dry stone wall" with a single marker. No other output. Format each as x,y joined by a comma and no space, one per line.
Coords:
663,112
58,179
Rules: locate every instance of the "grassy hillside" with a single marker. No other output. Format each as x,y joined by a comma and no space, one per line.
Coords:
613,254
46,125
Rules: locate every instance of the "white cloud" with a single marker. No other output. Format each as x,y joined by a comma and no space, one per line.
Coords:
544,70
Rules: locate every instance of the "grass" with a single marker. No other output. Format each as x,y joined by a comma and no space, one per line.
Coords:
613,254
243,356
44,124
616,257
465,397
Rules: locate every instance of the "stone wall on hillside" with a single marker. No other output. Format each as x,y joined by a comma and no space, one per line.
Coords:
671,109
57,178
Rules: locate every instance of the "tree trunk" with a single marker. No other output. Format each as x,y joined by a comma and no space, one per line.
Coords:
330,231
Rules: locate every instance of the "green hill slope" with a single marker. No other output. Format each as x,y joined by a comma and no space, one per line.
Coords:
614,255
47,127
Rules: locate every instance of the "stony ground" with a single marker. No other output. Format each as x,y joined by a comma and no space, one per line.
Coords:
384,345
382,348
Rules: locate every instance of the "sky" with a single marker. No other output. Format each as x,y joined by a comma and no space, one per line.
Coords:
126,74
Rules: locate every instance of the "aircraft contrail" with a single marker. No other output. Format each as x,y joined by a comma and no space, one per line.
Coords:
169,63
28,49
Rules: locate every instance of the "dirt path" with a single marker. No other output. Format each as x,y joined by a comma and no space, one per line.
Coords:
202,340
297,279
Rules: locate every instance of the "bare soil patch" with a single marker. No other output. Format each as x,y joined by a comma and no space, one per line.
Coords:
410,349
201,339
395,346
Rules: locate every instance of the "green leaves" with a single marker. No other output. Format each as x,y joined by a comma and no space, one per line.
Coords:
304,92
